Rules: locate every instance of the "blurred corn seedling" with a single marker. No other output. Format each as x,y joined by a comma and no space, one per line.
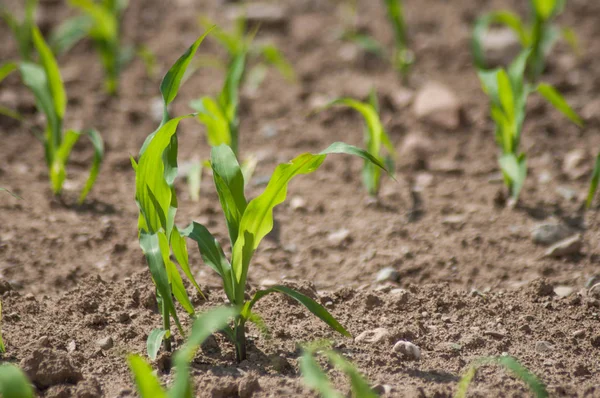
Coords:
101,21
375,138
508,94
316,378
21,30
403,57
538,36
45,82
220,114
535,385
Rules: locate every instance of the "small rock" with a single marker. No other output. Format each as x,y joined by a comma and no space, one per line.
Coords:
500,46
268,283
566,193
579,333
495,334
566,247
279,363
437,104
563,291
72,346
595,341
382,389
542,288
401,98
156,109
407,350
298,203
388,274
550,233
372,301
46,367
422,181
575,164
416,150
248,386
339,237
454,220
543,346
595,291
378,335
106,343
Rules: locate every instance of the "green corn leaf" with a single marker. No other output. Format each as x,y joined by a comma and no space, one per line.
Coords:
214,118
315,378
7,68
69,33
98,145
55,83
181,254
229,97
516,71
212,255
274,57
35,79
360,386
482,25
154,341
557,100
593,182
571,38
151,247
489,84
507,98
14,383
230,42
172,80
105,24
229,181
147,383
306,301
544,8
58,167
522,373
205,325
14,195
175,280
515,170
11,114
257,220
366,42
151,177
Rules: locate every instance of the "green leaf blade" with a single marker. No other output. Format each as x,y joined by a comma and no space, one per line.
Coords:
557,100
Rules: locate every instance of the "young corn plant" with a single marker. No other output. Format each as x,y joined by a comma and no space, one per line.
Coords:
14,383
536,386
148,385
403,57
315,378
375,138
21,30
45,82
508,94
220,114
100,20
593,183
538,36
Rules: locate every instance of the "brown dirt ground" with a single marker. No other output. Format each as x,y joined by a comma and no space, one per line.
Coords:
76,274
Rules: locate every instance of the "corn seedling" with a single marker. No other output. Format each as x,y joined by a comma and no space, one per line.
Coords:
220,114
508,94
403,57
593,183
157,201
14,383
100,20
45,82
148,384
316,378
375,138
538,36
21,30
535,385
